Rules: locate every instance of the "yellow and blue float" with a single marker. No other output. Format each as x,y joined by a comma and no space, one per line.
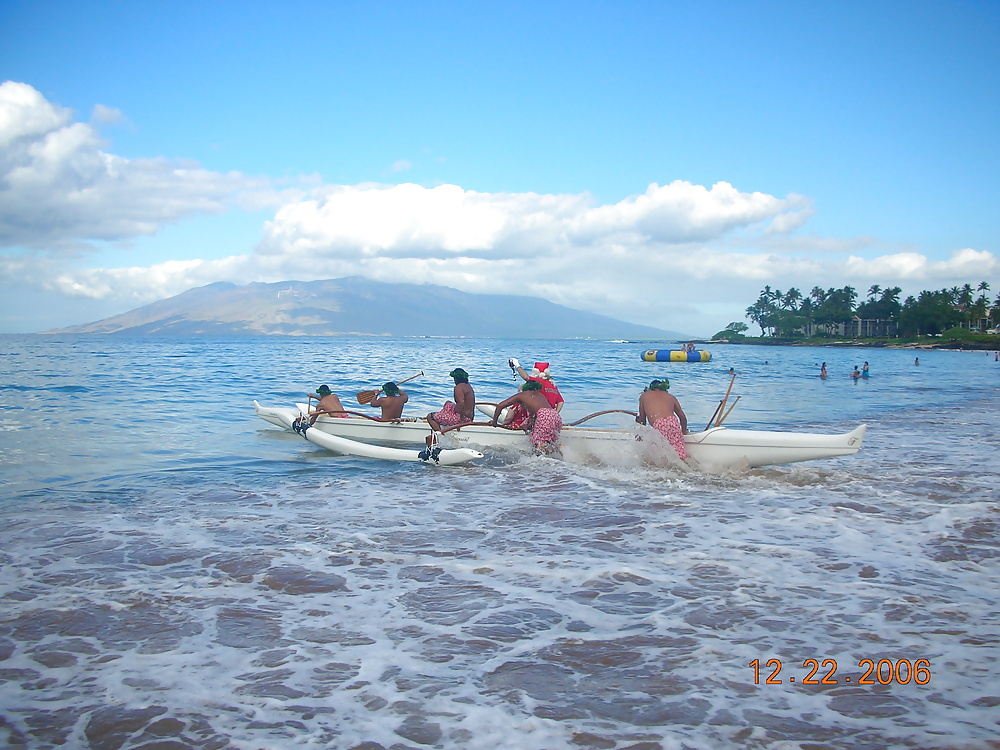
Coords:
669,355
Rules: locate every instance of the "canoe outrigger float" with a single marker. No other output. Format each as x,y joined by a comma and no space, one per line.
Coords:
716,447
320,434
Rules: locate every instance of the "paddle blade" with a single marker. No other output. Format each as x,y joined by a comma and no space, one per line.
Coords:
365,397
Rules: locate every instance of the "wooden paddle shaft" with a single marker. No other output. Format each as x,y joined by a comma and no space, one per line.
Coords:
365,397
723,417
725,399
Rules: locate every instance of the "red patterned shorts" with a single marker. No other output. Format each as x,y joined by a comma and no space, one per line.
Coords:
670,428
547,427
449,416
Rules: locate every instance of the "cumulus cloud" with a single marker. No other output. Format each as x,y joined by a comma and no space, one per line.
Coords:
679,255
682,212
59,188
661,258
446,221
963,264
106,115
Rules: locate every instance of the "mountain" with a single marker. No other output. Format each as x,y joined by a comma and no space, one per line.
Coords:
359,306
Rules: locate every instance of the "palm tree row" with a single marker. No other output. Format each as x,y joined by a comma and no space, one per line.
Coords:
792,313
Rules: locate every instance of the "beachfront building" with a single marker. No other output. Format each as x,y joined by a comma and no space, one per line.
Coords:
863,328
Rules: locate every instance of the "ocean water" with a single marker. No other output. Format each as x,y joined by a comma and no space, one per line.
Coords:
176,573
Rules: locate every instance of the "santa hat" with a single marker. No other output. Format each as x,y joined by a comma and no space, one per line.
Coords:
541,370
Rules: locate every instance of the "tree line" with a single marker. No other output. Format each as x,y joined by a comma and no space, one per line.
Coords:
792,313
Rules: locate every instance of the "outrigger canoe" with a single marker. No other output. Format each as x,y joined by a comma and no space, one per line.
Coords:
716,447
296,420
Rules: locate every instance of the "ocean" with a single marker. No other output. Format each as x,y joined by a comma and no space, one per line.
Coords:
176,573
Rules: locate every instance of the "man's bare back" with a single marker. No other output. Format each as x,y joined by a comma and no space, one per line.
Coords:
465,401
329,404
657,404
392,403
530,400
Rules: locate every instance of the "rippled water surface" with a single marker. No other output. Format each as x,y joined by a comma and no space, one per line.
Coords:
176,573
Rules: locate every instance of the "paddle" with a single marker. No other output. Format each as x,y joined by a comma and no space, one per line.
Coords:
722,405
365,397
723,417
599,413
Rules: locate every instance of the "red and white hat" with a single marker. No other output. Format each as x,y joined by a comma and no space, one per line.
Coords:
541,370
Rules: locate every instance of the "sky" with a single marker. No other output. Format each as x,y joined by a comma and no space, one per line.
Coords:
657,162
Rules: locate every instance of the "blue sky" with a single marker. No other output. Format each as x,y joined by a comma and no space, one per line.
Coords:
659,162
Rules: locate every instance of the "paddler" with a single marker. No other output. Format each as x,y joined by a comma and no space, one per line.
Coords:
545,422
663,413
392,402
329,403
461,411
541,375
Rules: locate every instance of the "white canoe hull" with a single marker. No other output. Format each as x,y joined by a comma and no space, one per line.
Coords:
339,444
718,447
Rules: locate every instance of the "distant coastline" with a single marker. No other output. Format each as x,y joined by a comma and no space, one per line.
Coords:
991,343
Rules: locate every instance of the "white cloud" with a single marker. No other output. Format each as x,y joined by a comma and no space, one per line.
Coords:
411,221
560,247
59,189
966,264
682,212
106,115
679,256
25,114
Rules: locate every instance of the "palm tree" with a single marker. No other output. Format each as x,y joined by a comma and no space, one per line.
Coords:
873,291
891,294
966,301
791,298
983,300
980,309
808,311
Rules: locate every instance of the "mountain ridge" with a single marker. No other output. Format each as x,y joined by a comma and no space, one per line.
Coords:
355,306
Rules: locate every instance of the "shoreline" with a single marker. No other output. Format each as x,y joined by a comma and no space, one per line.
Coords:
949,345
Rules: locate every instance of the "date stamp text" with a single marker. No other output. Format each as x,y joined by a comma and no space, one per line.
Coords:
882,672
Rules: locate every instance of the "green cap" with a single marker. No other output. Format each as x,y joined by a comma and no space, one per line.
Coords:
324,390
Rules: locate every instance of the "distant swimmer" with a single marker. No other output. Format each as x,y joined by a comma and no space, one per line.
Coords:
916,361
864,370
857,373
822,371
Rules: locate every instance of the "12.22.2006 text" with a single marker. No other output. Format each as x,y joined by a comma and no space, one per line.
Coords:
882,672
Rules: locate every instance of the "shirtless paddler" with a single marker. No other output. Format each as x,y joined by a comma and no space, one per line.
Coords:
546,424
663,413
